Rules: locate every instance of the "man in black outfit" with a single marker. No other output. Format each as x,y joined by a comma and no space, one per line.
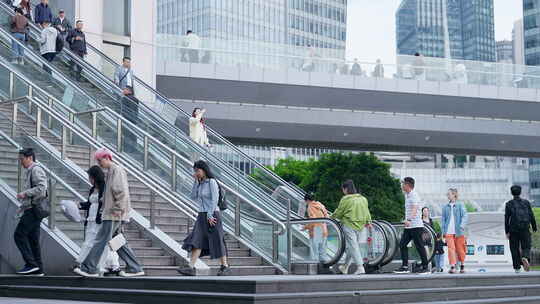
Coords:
27,233
77,44
130,111
518,219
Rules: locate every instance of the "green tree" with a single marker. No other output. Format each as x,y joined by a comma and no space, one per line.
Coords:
371,176
470,207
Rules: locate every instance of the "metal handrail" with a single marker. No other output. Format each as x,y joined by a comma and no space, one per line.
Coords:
109,83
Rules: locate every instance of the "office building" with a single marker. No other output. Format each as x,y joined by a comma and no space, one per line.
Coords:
317,23
531,15
505,51
459,29
518,41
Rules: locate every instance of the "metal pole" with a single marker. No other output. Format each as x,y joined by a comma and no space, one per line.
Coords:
119,135
152,210
289,237
275,244
30,91
38,122
52,199
237,215
173,173
14,119
19,177
94,125
11,85
72,119
64,142
50,121
145,152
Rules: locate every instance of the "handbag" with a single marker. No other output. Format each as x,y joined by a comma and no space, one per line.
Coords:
118,241
41,209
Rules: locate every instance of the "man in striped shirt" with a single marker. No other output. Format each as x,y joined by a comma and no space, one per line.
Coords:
414,227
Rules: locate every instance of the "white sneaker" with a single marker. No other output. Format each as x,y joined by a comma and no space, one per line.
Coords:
344,269
85,274
360,270
131,274
518,270
526,264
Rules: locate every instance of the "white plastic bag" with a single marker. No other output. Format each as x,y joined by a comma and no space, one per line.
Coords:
71,210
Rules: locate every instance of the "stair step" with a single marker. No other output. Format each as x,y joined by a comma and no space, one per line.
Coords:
236,261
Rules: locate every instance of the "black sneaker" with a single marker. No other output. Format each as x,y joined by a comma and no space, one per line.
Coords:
424,270
188,271
28,270
402,269
224,271
462,269
112,272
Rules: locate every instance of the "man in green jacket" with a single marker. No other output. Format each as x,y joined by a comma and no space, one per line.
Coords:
353,213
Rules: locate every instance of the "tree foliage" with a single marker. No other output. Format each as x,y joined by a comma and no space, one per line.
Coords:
325,176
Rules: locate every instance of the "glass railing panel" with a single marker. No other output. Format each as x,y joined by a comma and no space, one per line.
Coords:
429,242
325,242
4,82
63,184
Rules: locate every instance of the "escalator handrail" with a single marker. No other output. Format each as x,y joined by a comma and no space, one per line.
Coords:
50,173
35,87
149,111
162,97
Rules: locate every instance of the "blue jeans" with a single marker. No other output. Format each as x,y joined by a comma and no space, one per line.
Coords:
439,261
18,51
318,245
105,234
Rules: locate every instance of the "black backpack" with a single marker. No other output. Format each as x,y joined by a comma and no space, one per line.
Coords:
222,201
521,218
59,43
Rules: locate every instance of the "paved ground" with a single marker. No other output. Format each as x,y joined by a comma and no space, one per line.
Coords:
40,301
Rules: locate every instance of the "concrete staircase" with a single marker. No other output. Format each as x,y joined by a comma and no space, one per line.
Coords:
156,261
323,289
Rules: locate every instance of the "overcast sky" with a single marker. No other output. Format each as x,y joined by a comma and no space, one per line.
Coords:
372,31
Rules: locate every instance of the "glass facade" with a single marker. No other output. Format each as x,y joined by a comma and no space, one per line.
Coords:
531,16
505,51
318,23
459,29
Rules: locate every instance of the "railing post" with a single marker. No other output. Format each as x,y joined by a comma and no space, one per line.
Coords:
30,91
94,125
145,153
14,119
11,85
52,199
152,210
38,123
289,237
173,173
119,135
19,177
64,142
50,121
275,244
237,214
72,120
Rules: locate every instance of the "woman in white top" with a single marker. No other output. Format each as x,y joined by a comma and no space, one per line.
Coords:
197,129
109,260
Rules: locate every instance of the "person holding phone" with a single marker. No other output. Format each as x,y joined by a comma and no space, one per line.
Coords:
207,237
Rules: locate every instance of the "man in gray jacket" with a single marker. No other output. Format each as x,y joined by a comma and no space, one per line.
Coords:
27,232
116,211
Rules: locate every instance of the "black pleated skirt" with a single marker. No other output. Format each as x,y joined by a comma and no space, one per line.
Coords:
211,240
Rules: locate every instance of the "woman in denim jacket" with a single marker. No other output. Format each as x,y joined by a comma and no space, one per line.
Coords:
453,225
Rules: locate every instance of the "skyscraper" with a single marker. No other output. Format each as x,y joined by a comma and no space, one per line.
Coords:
505,51
460,29
531,17
317,23
518,40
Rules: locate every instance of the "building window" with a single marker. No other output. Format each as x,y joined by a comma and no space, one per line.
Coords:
117,17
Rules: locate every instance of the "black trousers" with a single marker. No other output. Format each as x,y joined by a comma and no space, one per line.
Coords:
520,246
414,234
27,239
49,57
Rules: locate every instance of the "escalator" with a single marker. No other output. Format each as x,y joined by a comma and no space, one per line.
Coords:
164,120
